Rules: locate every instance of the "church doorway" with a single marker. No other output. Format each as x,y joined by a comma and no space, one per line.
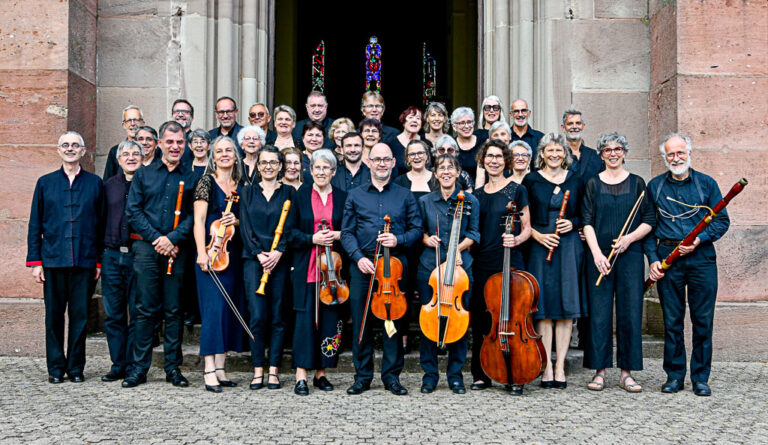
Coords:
402,27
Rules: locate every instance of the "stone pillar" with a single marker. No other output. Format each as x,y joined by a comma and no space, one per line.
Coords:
709,80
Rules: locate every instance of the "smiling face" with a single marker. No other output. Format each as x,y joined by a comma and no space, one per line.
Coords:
130,159
259,116
172,145
322,173
417,156
147,140
491,111
132,120
382,161
199,148
292,167
677,158
224,154
182,114
520,159
226,112
447,174
352,149
519,113
317,108
573,127
436,120
370,135
313,140
70,149
501,134
284,123
373,109
251,142
340,131
464,126
493,161
554,155
613,155
413,123
269,165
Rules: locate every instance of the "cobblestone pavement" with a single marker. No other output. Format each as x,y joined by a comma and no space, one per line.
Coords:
32,410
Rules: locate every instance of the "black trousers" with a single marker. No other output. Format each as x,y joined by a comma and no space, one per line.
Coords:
316,348
392,361
624,285
457,351
265,312
66,289
698,272
479,321
157,299
118,294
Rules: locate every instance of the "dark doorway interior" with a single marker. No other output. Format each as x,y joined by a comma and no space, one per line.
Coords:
448,28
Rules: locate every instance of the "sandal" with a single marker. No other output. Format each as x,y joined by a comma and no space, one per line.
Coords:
271,385
595,385
259,385
629,387
227,383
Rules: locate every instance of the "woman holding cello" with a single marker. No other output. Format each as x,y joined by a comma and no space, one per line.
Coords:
316,223
216,204
555,259
493,197
262,212
441,211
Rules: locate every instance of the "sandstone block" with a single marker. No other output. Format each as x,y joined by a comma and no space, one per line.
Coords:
742,266
663,46
32,99
611,9
21,165
623,112
127,7
639,167
563,9
34,41
146,65
17,278
82,41
662,120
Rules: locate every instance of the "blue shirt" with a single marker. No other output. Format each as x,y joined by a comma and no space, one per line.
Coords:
364,217
675,221
433,208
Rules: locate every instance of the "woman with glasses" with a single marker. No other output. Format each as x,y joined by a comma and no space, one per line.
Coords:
251,139
220,331
436,125
521,160
560,299
493,197
447,144
462,121
198,141
313,137
261,205
608,200
491,113
284,122
292,175
412,121
317,324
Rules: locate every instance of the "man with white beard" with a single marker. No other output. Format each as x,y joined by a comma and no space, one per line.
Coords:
586,161
678,197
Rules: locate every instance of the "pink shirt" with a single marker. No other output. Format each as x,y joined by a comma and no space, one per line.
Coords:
320,211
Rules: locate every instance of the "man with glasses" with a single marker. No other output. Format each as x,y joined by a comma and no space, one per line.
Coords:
372,106
674,195
317,111
519,114
226,114
183,113
133,118
586,161
259,116
352,172
64,252
361,228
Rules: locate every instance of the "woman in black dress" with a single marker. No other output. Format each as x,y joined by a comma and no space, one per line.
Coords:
463,123
608,200
559,280
260,207
315,347
493,198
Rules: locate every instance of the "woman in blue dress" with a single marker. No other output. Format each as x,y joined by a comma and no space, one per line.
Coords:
220,331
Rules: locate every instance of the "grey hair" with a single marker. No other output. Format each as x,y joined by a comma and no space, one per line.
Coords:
315,93
613,137
210,168
199,133
445,139
481,116
521,143
286,109
259,132
82,141
440,108
572,112
462,111
133,107
553,138
127,143
323,154
688,145
499,124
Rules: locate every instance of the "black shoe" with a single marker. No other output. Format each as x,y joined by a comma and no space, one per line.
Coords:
133,380
301,388
322,383
458,388
77,378
672,386
226,383
274,385
427,387
358,388
396,388
547,384
55,379
701,389
514,390
255,386
112,376
480,386
177,378
213,388
557,384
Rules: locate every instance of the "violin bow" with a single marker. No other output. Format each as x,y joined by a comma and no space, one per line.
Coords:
370,289
627,224
229,301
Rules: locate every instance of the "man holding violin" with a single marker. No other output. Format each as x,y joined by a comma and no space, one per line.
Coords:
364,213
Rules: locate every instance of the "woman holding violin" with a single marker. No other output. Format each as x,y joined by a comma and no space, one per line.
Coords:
216,204
493,197
315,232
616,215
263,206
441,211
555,259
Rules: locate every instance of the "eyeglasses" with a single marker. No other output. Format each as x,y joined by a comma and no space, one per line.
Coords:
446,168
269,163
321,169
372,106
131,154
491,108
251,138
222,112
371,130
491,156
417,154
133,121
520,155
464,124
198,141
386,160
449,150
520,111
259,114
609,150
74,145
679,154
181,112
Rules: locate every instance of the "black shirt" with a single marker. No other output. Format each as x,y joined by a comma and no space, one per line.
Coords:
345,181
468,158
405,181
398,151
216,132
588,164
492,208
299,129
116,227
540,192
111,168
259,218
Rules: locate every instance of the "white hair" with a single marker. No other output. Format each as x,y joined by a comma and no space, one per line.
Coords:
82,141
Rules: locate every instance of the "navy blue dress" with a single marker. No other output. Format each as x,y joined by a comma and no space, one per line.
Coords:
220,331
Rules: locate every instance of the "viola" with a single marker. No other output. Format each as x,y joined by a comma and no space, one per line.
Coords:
220,236
512,352
333,289
444,319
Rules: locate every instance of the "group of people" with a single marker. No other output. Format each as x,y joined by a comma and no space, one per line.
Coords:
285,191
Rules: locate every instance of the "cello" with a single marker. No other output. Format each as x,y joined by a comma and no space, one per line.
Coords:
332,288
220,236
512,352
444,319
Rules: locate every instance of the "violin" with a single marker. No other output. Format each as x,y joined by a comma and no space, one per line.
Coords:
444,319
220,236
332,289
512,352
